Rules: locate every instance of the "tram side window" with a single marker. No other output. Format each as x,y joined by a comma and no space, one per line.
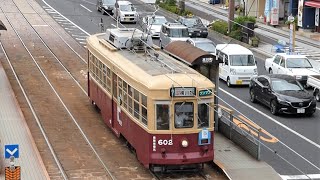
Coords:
104,74
100,72
130,99
114,85
136,104
108,79
203,115
183,115
125,102
120,97
163,122
144,109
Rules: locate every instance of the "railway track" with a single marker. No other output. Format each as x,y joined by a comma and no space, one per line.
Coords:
48,86
51,73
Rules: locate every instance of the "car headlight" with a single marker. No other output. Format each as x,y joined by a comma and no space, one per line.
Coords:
255,71
190,34
233,71
282,101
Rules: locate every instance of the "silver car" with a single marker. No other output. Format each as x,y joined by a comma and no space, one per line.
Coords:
125,12
172,32
152,24
204,44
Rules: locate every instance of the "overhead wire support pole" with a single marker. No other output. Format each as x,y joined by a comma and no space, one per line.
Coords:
231,15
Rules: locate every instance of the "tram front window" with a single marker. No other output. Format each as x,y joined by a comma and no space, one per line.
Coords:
203,115
162,116
183,115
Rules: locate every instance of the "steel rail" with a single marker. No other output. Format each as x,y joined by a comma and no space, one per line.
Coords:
57,94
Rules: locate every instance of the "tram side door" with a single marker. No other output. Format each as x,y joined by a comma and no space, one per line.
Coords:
114,99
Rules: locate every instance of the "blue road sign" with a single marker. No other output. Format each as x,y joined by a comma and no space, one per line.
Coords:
11,150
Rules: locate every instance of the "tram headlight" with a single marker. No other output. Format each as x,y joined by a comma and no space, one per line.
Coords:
184,143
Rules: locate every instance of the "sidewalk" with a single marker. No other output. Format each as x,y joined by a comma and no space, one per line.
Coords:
238,164
304,45
14,130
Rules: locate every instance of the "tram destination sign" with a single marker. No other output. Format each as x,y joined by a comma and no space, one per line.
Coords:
182,91
205,92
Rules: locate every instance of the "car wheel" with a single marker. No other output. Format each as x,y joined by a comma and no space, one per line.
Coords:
252,96
274,107
160,44
228,82
270,71
318,96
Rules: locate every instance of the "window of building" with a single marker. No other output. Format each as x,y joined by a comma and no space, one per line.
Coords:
183,115
162,115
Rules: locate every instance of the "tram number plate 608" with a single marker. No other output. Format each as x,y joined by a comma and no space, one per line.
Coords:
165,142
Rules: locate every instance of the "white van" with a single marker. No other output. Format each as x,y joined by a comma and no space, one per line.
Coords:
238,64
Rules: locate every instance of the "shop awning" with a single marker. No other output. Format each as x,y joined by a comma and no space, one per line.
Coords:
189,54
315,4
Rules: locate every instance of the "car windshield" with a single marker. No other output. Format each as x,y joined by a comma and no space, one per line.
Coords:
192,21
206,46
284,85
178,33
298,63
108,2
128,8
158,20
242,60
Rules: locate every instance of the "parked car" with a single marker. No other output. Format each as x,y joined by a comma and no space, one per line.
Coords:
172,32
105,6
195,26
203,43
152,24
125,12
238,66
282,93
291,64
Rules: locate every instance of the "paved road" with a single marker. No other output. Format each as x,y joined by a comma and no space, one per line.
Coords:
298,137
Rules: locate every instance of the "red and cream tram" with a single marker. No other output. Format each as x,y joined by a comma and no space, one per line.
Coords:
163,108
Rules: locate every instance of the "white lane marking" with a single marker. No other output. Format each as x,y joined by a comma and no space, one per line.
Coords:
275,121
65,17
35,25
80,39
75,35
61,20
113,25
89,2
82,42
68,28
318,108
85,8
307,176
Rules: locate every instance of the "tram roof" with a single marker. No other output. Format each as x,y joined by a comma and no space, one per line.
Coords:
151,73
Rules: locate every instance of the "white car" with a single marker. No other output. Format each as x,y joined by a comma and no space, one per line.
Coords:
291,64
125,12
204,44
152,24
172,32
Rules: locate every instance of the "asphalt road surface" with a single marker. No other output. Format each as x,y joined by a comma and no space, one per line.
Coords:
291,144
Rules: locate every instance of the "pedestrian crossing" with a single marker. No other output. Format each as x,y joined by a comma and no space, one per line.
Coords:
310,53
75,31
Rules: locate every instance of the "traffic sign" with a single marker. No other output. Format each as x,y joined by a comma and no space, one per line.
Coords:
11,150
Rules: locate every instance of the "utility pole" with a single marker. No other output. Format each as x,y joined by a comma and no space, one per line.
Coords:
291,33
231,15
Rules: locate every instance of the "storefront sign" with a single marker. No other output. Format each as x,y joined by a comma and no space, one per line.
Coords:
274,16
182,91
316,16
300,12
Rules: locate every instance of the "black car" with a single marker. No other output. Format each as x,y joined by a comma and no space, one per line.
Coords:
282,93
195,26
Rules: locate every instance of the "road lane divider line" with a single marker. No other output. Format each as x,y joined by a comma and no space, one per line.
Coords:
85,8
272,119
300,177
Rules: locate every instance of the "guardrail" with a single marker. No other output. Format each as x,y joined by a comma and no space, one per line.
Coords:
239,131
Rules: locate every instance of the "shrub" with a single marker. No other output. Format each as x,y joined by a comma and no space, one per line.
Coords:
236,34
220,26
170,2
240,20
